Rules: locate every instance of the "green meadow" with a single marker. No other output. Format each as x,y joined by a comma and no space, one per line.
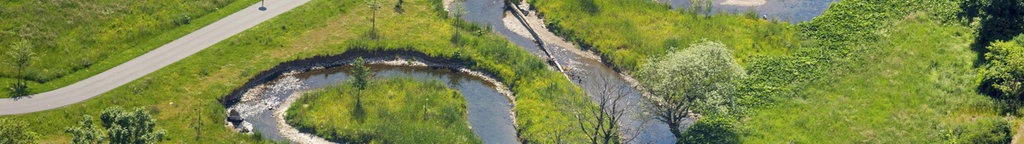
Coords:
73,40
864,71
389,110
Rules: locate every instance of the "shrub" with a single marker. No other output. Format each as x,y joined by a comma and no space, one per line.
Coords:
1004,76
127,127
16,132
987,130
710,131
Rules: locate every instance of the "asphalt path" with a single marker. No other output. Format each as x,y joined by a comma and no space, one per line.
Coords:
149,62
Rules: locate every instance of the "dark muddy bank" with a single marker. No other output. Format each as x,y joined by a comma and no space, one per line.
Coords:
334,61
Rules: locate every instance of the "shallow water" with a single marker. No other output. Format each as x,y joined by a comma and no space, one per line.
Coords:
793,11
488,110
590,74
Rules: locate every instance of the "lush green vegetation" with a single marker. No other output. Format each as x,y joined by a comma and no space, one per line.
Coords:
73,40
1005,72
394,110
125,127
183,96
903,72
700,78
864,71
16,132
632,31
914,85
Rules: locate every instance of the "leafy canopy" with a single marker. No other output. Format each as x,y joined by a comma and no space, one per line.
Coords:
16,132
123,127
701,78
1005,71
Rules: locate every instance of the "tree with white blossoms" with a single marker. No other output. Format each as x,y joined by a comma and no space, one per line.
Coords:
701,78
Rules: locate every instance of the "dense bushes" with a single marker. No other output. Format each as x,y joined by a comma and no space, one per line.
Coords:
999,19
1004,76
710,131
774,78
982,131
122,127
16,132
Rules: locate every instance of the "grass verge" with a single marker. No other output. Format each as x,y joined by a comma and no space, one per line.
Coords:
74,40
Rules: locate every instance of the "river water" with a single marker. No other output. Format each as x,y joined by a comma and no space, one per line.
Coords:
793,11
596,78
488,110
590,74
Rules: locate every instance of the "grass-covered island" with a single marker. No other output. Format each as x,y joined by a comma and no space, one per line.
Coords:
390,110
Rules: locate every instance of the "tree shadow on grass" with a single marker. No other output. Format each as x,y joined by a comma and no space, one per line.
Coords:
358,112
1000,20
589,6
712,131
19,91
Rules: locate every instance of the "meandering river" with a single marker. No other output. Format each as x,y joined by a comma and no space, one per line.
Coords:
489,111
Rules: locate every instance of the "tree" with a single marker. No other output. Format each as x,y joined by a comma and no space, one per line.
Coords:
1004,75
130,127
457,12
700,78
361,73
374,5
86,133
702,6
601,123
21,58
16,132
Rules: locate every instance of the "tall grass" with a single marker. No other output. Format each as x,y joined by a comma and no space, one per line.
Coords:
899,72
392,110
77,39
864,71
187,91
630,32
916,85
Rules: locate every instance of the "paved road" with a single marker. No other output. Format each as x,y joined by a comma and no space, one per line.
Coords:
149,62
